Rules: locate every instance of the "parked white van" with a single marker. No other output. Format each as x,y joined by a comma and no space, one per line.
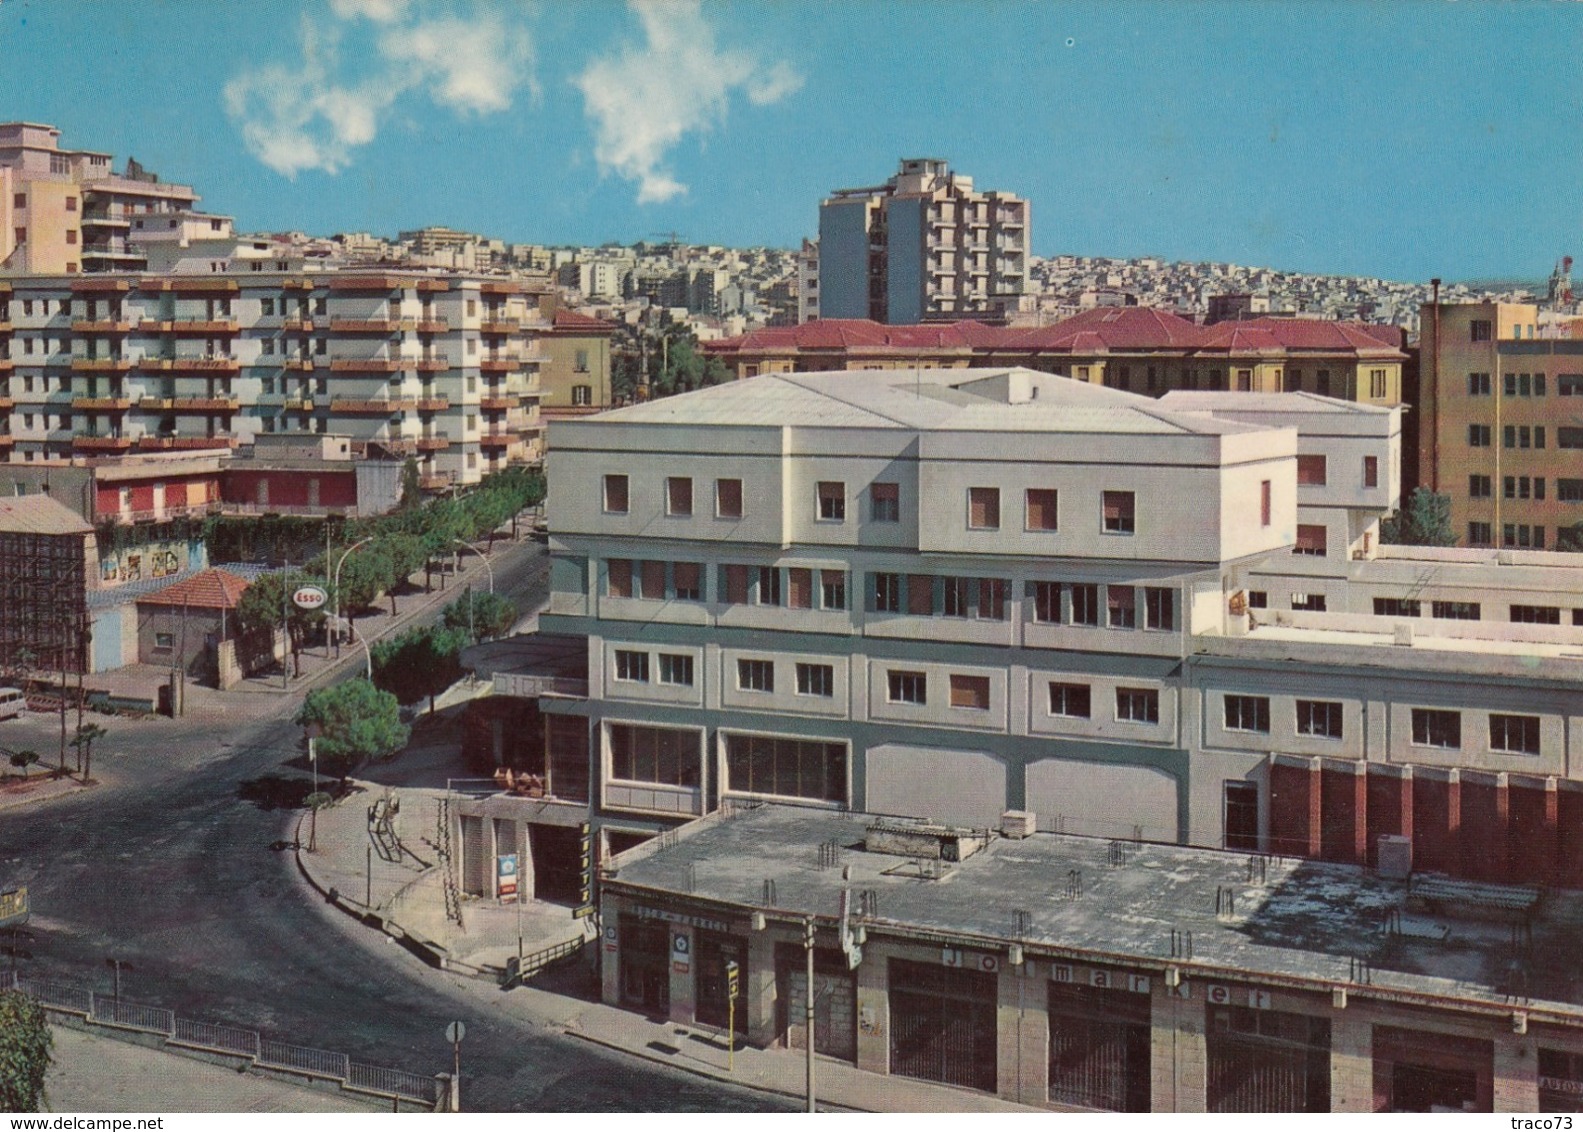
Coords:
12,702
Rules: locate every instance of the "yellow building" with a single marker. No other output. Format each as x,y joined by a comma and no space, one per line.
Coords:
574,376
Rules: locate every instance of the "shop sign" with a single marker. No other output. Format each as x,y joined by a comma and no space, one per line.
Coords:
506,874
681,952
1225,996
973,961
681,918
1101,977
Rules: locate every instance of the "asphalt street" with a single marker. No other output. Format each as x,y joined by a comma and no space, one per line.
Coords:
176,865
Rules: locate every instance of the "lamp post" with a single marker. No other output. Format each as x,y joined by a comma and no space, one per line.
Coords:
335,585
313,812
469,546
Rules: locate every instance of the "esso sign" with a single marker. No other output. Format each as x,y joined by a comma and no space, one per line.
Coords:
309,597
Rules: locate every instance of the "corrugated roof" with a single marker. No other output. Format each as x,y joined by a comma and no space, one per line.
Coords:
207,589
40,515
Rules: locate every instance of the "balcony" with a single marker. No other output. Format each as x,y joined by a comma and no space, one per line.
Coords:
369,325
500,325
6,440
434,363
189,326
431,325
101,365
100,326
433,404
208,363
299,363
105,220
496,404
298,325
205,404
499,364
433,443
185,443
495,439
6,403
298,405
102,404
350,405
85,443
436,481
365,365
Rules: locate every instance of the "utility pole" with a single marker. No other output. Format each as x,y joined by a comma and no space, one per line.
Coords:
807,942
285,628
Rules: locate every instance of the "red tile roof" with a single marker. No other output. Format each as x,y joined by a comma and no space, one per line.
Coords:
1259,334
207,589
577,320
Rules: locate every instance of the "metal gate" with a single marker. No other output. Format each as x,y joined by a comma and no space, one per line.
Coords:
711,952
835,1000
1267,1061
645,964
942,1024
1099,1048
476,861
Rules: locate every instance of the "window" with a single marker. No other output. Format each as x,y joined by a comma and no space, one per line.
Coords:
736,579
1523,536
1308,603
1248,713
1371,471
832,589
618,573
1396,607
884,501
1041,509
676,669
1322,383
983,508
633,666
21,237
907,687
1138,705
679,496
789,768
1479,330
1432,728
1264,503
799,587
1121,610
1514,734
1480,534
1120,515
1376,383
970,692
992,599
71,235
920,596
1455,610
1536,614
816,680
661,755
164,640
887,593
956,595
1159,608
1085,604
1311,470
728,499
580,361
615,495
582,394
1046,602
1244,381
756,675
1070,700
1319,719
1310,540
832,501
19,200
321,346
1479,487
1478,385
1569,438
652,579
1569,491
688,578
1258,599
769,585
1479,436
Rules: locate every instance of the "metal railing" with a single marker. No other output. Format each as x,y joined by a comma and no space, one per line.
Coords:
223,1039
131,1015
305,1059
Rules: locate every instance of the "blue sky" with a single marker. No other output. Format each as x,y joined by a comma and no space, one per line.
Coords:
1402,139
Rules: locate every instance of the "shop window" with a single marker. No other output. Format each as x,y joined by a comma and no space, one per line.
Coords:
1266,1060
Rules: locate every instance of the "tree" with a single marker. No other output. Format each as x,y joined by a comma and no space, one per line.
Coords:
264,606
25,1044
87,735
1424,521
419,663
356,722
411,490
484,615
24,759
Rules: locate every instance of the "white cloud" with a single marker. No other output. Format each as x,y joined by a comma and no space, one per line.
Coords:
643,99
311,114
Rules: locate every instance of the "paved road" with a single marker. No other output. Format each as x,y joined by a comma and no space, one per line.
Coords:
170,866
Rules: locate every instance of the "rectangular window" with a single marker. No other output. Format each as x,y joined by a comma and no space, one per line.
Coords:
832,589
1432,728
619,577
1138,705
1569,385
1455,610
1479,329
1264,503
816,680
1308,603
955,592
728,499
1479,487
1310,540
1070,700
1085,604
736,585
1480,534
1536,614
1120,515
633,666
970,692
1371,471
920,597
1319,719
689,581
1569,490
832,501
676,669
164,640
652,576
1121,609
1159,608
884,501
660,755
1479,436
983,508
992,599
1258,599
799,588
1514,734
1248,713
1322,383
616,500
1311,470
788,768
1478,385
1397,607
1041,508
907,687
887,593
1046,602
769,585
756,675
1376,384
679,495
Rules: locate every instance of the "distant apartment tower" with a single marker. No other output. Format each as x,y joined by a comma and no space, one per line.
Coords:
67,211
808,282
922,246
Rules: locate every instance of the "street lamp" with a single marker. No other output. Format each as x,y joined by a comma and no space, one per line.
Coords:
335,584
469,546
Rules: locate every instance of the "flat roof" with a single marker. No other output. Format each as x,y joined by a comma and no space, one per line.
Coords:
1298,923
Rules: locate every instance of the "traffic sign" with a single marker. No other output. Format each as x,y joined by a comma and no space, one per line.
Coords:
455,1032
309,597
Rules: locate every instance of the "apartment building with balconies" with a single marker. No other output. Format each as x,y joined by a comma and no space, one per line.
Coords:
947,594
924,246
